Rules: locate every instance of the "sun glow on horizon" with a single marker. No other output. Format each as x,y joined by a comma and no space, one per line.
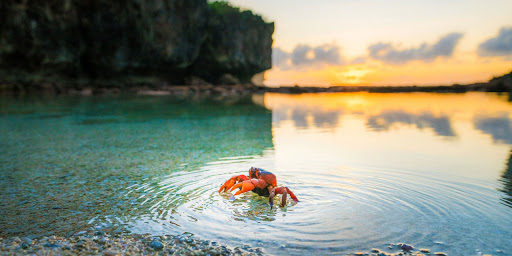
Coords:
390,42
439,72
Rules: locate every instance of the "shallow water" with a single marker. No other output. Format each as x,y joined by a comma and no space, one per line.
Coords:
431,170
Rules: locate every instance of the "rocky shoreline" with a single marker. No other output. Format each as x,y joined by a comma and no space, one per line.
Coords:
231,87
233,90
100,243
97,242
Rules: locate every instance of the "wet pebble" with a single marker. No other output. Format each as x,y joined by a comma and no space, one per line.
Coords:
440,254
157,245
103,240
111,253
93,243
80,233
406,247
424,250
51,245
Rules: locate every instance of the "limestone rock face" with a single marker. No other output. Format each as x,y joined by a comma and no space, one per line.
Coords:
102,39
239,42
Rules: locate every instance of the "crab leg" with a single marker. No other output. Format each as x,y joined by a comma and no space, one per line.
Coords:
284,191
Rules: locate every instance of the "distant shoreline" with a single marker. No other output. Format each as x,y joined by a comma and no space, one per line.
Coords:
233,90
498,84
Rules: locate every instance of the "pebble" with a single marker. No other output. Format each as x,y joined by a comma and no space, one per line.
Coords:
425,250
111,253
406,247
51,245
80,244
80,233
157,245
375,250
103,240
440,254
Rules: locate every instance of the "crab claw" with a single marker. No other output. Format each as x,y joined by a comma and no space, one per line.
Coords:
229,183
244,187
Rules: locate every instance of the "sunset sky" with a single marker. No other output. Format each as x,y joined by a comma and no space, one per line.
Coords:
386,42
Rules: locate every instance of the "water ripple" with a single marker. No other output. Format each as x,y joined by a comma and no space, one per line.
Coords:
341,209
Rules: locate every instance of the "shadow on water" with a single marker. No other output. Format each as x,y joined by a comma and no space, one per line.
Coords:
506,180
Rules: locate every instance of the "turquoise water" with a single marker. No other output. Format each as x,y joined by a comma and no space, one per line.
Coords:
431,170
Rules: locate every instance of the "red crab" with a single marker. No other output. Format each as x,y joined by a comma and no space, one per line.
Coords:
260,182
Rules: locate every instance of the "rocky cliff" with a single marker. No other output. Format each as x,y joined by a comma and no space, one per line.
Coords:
170,41
502,83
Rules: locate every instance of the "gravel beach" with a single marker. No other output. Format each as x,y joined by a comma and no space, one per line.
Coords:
101,243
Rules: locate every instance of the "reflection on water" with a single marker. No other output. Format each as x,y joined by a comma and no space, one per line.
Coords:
500,128
384,121
369,169
506,180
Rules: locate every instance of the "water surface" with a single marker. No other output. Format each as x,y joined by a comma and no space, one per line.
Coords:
431,170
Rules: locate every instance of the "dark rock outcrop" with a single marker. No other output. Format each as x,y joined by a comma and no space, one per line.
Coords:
101,40
241,48
501,84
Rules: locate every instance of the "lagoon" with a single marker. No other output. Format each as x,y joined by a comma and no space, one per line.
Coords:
369,169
